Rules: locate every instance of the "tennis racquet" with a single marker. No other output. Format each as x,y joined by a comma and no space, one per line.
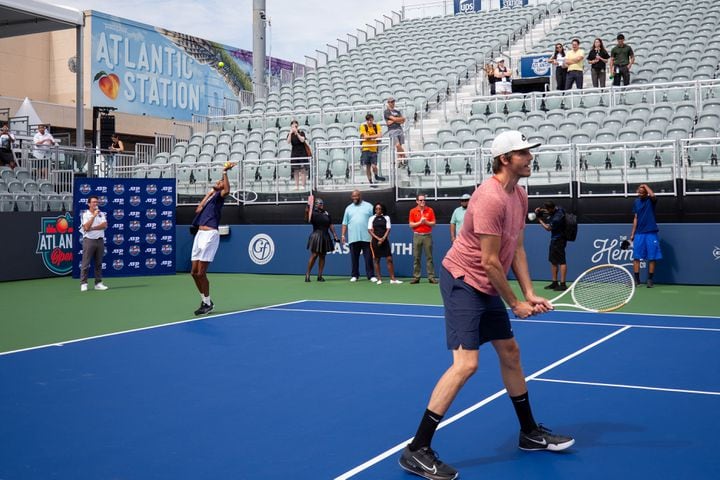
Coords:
602,288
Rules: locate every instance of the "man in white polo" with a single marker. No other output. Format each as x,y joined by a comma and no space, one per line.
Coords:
94,224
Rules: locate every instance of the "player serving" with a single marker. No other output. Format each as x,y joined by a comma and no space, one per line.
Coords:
473,284
207,238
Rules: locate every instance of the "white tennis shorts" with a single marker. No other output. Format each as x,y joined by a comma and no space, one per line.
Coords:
205,245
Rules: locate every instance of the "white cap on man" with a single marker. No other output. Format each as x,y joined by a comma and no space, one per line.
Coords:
499,59
510,141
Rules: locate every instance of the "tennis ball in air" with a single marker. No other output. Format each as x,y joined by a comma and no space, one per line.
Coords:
221,64
532,216
228,165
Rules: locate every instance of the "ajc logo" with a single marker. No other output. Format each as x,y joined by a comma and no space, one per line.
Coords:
261,249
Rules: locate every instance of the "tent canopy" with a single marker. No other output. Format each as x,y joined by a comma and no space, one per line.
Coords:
23,17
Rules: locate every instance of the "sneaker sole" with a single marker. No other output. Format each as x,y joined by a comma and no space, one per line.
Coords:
552,447
422,473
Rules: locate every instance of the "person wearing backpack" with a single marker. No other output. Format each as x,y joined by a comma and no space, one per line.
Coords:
556,226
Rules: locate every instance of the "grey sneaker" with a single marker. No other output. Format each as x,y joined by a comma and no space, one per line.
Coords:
650,283
542,439
426,464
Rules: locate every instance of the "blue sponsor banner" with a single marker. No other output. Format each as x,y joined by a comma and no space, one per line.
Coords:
535,66
691,252
140,238
467,6
513,3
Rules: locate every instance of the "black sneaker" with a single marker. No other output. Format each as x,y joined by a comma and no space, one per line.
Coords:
542,439
205,308
650,283
379,178
560,288
552,286
426,463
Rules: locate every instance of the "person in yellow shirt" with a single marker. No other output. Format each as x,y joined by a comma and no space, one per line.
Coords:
370,132
575,61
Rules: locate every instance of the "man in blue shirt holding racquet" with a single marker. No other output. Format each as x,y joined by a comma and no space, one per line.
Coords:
646,244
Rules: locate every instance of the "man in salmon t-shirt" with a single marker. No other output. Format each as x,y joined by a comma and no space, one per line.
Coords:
422,221
473,284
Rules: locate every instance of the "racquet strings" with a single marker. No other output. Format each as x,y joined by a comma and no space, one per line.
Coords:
603,289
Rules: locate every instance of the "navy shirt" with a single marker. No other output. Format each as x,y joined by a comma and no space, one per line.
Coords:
557,223
644,208
210,214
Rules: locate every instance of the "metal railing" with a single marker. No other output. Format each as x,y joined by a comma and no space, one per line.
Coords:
337,165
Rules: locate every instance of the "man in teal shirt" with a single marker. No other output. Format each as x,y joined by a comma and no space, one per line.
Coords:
458,216
355,233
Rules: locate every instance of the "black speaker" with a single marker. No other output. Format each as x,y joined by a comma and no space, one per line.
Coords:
107,128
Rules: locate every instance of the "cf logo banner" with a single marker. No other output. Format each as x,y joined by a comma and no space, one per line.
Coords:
261,249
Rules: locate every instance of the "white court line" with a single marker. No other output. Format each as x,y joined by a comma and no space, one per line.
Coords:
151,327
635,387
526,320
467,411
566,311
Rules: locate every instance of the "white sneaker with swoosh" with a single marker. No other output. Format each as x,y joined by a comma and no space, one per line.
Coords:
425,463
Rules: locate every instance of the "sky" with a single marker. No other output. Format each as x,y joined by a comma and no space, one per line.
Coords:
297,28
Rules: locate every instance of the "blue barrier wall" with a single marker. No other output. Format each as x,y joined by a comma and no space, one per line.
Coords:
691,251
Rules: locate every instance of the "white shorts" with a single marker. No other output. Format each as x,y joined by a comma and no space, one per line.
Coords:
205,245
503,87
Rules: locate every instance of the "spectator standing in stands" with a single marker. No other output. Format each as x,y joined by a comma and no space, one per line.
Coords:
458,216
644,235
319,243
116,146
42,140
575,61
355,230
598,58
379,228
558,59
7,157
299,154
370,132
503,76
622,58
207,238
422,221
394,121
556,226
94,224
490,73
474,285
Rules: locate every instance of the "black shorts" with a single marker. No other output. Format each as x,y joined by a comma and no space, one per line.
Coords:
380,251
368,158
471,316
557,251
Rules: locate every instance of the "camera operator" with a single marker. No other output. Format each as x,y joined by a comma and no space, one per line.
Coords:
552,219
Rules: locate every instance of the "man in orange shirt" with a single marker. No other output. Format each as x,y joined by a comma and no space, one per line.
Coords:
422,221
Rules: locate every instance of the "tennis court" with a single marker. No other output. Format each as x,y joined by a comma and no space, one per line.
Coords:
333,389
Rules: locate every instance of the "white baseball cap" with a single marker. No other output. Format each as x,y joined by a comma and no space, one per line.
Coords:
499,59
510,141
465,196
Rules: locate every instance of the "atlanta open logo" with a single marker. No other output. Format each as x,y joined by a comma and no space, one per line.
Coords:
85,188
118,214
135,200
150,238
118,264
166,249
167,224
134,225
540,66
134,250
151,189
167,200
261,249
150,263
55,243
118,239
118,189
151,213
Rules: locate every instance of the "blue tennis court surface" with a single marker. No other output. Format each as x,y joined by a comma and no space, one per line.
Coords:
326,390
